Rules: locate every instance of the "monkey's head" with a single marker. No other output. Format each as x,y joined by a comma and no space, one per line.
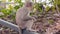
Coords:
29,5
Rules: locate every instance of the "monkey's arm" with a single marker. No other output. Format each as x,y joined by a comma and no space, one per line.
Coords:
28,17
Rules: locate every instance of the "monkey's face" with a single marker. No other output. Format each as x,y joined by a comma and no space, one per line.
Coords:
30,8
29,5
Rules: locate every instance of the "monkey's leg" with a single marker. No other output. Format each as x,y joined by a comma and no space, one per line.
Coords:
29,24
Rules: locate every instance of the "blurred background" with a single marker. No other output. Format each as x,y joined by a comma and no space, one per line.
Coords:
47,12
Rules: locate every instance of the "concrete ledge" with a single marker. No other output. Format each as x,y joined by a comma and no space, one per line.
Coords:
10,25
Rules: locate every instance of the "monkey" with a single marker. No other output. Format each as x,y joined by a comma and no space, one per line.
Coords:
23,18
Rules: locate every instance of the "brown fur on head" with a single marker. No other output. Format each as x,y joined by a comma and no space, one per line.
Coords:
28,3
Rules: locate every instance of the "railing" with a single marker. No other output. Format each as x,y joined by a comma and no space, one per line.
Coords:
9,25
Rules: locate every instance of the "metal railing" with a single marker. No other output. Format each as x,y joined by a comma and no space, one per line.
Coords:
10,25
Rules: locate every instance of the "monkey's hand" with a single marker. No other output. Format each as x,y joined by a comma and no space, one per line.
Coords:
33,18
